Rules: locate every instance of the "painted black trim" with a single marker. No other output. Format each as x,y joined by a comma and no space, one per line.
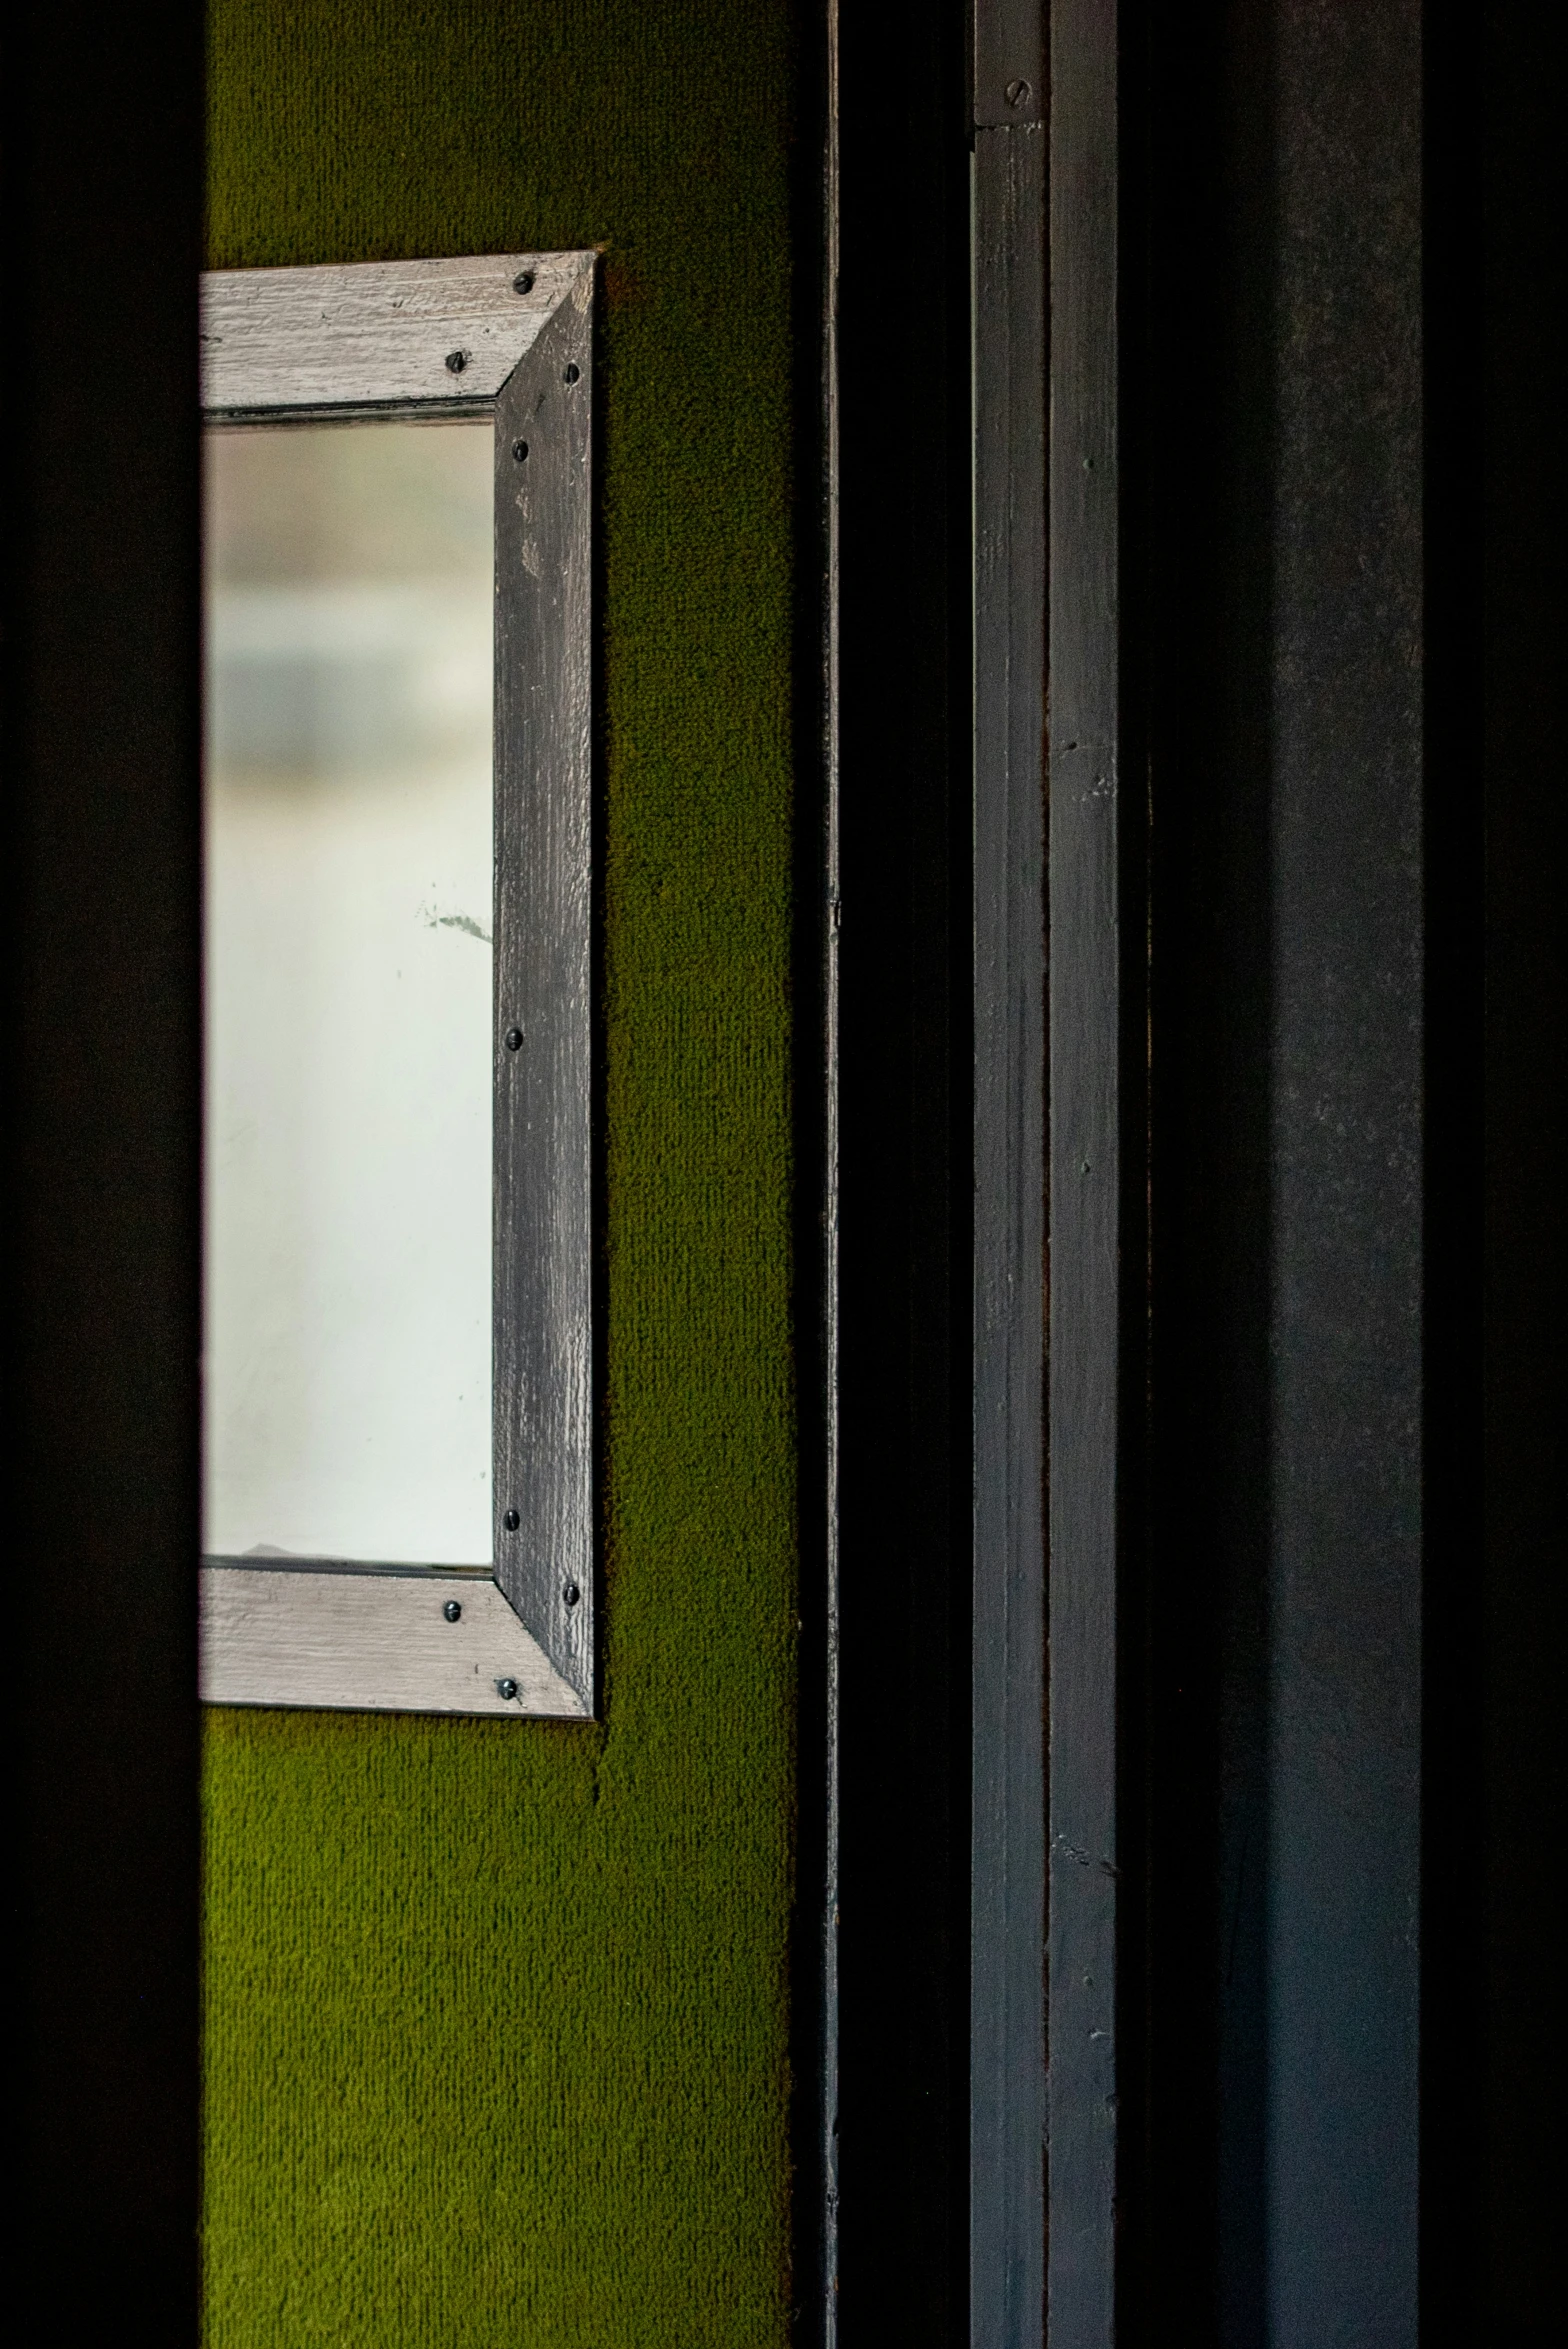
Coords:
1516,1625
904,1204
100,1033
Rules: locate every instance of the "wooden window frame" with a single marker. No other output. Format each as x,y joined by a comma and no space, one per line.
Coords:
510,337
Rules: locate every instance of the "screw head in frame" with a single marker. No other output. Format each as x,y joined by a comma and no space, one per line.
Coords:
1017,92
506,1688
511,1521
456,361
571,1594
452,1610
573,373
524,282
514,1039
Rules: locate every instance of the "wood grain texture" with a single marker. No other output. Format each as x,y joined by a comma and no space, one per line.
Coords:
543,976
370,1643
376,335
1007,1863
1085,1056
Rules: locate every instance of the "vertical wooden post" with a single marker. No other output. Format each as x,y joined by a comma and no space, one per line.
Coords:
1007,1859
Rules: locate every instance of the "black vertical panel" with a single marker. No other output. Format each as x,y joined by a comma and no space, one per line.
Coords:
1523,1617
1341,1940
1452,1439
1278,654
1197,455
101,1227
903,456
1200,429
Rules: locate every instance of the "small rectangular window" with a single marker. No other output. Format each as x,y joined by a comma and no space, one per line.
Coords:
397,1502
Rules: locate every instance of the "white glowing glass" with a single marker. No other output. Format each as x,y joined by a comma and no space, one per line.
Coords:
348,992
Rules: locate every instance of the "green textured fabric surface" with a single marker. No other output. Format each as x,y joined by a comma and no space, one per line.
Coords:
497,2013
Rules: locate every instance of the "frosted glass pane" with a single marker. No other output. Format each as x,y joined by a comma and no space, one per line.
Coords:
349,1020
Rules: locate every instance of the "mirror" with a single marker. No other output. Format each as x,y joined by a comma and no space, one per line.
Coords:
349,1019
399,1382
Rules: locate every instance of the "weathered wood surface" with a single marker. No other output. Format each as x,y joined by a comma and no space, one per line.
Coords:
543,978
370,1642
377,334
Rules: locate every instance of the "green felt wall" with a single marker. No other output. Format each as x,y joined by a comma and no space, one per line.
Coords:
497,2013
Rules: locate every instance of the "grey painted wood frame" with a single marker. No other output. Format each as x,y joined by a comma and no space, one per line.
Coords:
1007,2055
1087,925
508,336
1047,1182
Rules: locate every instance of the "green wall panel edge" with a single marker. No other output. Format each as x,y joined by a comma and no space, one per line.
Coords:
497,2025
